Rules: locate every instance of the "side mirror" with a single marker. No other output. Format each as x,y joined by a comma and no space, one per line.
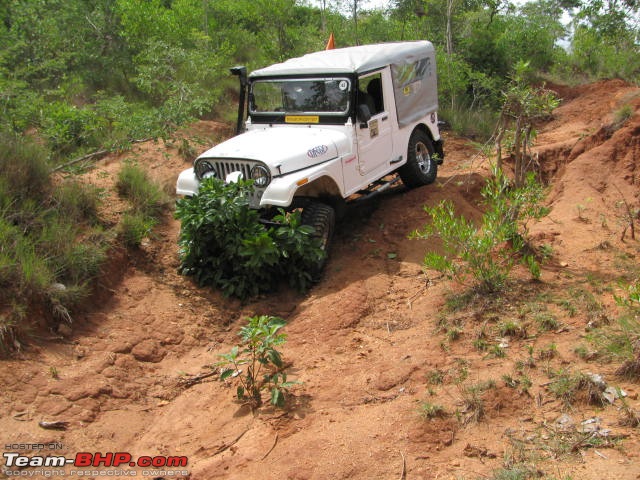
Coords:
363,113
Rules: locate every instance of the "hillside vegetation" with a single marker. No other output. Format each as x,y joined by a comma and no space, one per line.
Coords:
80,79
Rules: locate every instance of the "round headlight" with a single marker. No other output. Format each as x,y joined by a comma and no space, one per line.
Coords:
260,176
204,169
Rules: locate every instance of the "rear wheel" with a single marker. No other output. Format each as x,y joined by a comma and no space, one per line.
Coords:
322,218
421,168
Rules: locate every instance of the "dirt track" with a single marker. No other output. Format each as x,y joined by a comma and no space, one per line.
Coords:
364,342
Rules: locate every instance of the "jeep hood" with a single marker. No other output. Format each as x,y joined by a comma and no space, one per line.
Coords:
284,149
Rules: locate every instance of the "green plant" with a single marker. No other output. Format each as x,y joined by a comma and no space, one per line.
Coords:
487,252
497,351
145,195
431,410
134,227
546,321
78,201
435,377
473,402
551,351
621,115
580,208
512,328
571,387
515,472
453,333
523,105
51,245
481,344
264,366
224,244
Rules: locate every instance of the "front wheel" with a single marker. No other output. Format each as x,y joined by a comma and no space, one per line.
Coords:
421,168
322,218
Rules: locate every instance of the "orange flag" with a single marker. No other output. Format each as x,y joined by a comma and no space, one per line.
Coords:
331,44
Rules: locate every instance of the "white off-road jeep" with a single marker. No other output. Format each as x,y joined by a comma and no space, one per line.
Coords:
328,127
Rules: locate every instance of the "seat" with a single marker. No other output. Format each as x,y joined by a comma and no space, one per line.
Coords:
374,89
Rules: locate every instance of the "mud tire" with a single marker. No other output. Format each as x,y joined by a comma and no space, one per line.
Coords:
322,218
421,168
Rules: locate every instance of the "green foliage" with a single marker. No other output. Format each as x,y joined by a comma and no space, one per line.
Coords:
523,106
145,195
24,171
489,251
473,404
224,244
263,363
50,246
135,227
147,202
598,53
77,201
576,387
431,410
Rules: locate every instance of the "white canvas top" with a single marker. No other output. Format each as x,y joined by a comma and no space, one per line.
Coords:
351,59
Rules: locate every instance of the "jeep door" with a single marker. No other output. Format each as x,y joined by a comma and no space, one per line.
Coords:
374,137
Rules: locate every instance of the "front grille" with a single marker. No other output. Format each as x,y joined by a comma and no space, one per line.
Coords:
222,168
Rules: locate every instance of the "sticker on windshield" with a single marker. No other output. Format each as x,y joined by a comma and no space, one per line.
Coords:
302,119
343,85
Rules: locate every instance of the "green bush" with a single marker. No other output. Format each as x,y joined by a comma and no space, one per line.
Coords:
224,244
68,128
487,252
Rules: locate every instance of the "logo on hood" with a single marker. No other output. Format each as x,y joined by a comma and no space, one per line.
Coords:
317,151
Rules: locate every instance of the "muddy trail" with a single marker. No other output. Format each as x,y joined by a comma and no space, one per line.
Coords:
388,388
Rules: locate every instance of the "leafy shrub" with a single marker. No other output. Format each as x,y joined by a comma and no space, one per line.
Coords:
224,244
68,128
258,353
487,252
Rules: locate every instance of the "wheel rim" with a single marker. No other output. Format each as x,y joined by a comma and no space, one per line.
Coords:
423,157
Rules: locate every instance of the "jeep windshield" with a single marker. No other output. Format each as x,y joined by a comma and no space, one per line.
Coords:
300,96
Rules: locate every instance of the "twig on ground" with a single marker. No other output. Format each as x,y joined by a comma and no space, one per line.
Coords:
275,441
90,156
227,446
190,382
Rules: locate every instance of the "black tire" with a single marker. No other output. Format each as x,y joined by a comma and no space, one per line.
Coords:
322,218
420,169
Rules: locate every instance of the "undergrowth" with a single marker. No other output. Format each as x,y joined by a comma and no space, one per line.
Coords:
486,253
147,202
51,243
224,244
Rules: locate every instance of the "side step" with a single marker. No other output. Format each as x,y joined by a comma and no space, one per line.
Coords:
383,186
